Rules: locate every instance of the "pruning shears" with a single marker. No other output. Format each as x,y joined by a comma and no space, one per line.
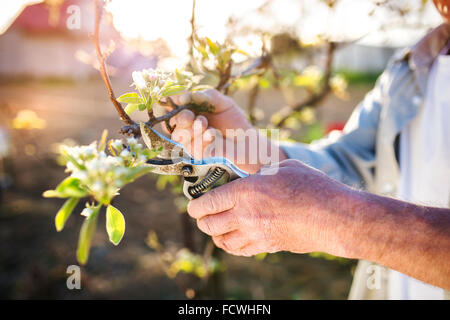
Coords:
199,175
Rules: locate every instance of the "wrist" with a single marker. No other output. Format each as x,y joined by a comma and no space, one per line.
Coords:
345,223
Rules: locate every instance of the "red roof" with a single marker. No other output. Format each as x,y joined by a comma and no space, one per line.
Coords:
36,18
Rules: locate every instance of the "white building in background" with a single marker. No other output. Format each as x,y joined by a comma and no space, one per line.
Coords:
362,58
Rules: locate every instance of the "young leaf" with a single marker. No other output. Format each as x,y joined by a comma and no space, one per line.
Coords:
102,143
202,50
70,187
137,172
142,106
212,46
64,213
150,154
130,108
115,224
86,232
173,90
131,97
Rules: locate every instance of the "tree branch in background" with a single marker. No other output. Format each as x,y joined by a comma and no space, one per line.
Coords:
193,36
252,97
102,65
324,90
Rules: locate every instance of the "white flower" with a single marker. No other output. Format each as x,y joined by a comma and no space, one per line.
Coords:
131,141
142,158
117,144
87,212
97,186
89,150
156,90
125,153
82,175
138,79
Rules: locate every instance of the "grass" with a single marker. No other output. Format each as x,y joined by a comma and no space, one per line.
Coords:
359,78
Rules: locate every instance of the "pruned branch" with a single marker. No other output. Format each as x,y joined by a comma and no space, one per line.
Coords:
95,37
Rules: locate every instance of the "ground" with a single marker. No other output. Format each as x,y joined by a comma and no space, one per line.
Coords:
34,257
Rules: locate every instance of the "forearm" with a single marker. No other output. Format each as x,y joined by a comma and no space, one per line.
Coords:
412,239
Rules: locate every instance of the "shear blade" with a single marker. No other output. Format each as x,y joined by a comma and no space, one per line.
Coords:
155,140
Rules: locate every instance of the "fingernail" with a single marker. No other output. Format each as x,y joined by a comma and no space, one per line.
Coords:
207,136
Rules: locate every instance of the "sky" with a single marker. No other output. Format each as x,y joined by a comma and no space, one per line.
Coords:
10,9
169,20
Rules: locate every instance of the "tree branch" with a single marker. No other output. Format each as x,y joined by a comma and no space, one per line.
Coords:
325,89
102,65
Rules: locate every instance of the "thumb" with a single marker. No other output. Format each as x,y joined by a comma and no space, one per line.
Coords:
217,200
219,101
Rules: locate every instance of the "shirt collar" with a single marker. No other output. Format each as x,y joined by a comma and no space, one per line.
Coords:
422,55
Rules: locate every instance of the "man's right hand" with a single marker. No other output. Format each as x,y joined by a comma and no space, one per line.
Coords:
206,135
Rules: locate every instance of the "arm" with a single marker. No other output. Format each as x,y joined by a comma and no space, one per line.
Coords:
410,238
296,208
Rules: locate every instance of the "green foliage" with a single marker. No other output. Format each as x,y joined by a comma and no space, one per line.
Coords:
359,78
329,257
131,97
86,233
64,213
99,176
314,132
69,187
189,262
115,224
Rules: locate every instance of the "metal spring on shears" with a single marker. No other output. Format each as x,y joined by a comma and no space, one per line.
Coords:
208,181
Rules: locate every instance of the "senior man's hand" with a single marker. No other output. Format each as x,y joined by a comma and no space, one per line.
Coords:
286,208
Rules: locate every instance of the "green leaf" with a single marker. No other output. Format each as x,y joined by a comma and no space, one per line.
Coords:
131,97
142,106
64,213
173,90
85,238
52,194
115,224
137,172
203,51
102,143
150,154
130,108
212,46
70,187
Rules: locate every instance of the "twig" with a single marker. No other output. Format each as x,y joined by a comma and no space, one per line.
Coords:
102,65
325,89
193,36
252,96
225,77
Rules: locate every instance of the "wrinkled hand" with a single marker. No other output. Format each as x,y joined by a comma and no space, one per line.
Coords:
293,208
206,135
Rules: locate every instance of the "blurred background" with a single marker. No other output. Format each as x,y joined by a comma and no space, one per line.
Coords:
325,56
